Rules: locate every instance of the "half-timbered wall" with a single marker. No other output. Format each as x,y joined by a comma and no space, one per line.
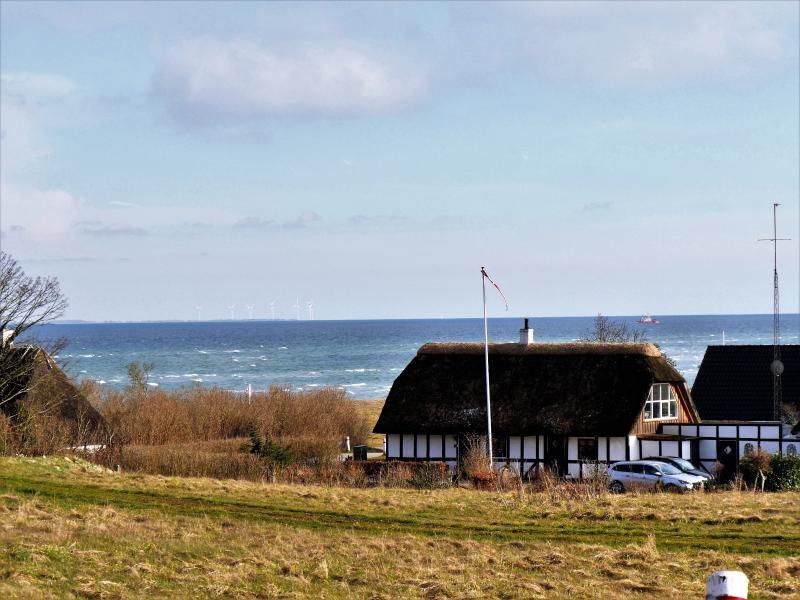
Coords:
524,453
768,435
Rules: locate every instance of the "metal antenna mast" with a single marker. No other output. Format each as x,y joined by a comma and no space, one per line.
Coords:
777,366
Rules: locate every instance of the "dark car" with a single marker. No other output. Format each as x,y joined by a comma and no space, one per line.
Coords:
682,464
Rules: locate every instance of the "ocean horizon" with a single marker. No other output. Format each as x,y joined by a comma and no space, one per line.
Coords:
362,356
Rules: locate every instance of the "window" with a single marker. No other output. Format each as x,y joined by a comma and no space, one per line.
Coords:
622,468
791,450
499,447
650,470
661,403
587,448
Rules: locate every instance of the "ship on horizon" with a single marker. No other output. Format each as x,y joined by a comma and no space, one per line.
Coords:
646,319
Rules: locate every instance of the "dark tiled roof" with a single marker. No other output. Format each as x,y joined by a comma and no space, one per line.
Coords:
580,389
735,382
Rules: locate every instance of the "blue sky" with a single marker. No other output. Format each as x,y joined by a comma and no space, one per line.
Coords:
596,157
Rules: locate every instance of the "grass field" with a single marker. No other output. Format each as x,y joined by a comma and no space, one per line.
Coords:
71,529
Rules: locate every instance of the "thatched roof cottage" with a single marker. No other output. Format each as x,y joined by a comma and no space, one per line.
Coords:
562,404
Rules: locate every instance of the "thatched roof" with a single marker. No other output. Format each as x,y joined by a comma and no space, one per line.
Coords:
29,375
574,388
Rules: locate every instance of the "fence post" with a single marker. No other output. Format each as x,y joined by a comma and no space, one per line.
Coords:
727,585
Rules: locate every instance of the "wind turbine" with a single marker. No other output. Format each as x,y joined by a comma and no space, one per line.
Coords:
231,308
272,309
250,311
296,307
198,308
310,305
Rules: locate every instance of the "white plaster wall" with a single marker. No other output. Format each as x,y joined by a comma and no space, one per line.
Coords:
771,447
573,470
708,450
670,449
393,443
601,449
710,465
727,431
530,446
617,448
408,445
422,449
749,431
572,448
686,449
671,428
708,430
770,432
541,446
649,448
436,446
514,447
689,430
450,446
633,445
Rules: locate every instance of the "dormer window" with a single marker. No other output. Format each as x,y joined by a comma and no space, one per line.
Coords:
661,403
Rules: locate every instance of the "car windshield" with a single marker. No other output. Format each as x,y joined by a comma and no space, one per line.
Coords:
669,469
683,464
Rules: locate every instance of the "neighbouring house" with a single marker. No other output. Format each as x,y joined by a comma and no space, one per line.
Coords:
733,393
564,405
31,383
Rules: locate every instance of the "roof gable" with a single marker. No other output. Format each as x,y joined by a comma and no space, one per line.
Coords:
581,389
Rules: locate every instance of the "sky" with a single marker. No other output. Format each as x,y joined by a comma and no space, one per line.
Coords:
368,159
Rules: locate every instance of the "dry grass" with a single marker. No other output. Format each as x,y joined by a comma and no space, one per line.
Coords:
72,529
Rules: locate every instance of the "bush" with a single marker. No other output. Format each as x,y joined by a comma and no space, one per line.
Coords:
785,473
754,468
430,476
781,472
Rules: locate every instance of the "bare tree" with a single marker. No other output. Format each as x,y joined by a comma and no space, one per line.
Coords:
26,301
608,331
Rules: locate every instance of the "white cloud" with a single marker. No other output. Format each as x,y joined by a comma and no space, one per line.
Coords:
632,43
209,79
34,87
43,214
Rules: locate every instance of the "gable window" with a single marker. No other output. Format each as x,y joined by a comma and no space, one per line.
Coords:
587,448
661,403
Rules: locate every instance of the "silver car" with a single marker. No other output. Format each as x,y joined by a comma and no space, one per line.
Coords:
651,475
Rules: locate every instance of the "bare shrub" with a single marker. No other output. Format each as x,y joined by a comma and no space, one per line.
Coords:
199,414
557,490
475,461
186,462
310,425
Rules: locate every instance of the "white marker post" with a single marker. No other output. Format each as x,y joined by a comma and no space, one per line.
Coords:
727,585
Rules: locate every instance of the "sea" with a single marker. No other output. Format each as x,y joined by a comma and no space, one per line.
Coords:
362,357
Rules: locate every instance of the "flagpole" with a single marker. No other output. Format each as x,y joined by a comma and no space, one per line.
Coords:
486,363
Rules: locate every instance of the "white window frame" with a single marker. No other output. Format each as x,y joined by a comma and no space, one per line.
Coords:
656,397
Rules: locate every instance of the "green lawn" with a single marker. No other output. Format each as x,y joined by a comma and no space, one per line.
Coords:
70,528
